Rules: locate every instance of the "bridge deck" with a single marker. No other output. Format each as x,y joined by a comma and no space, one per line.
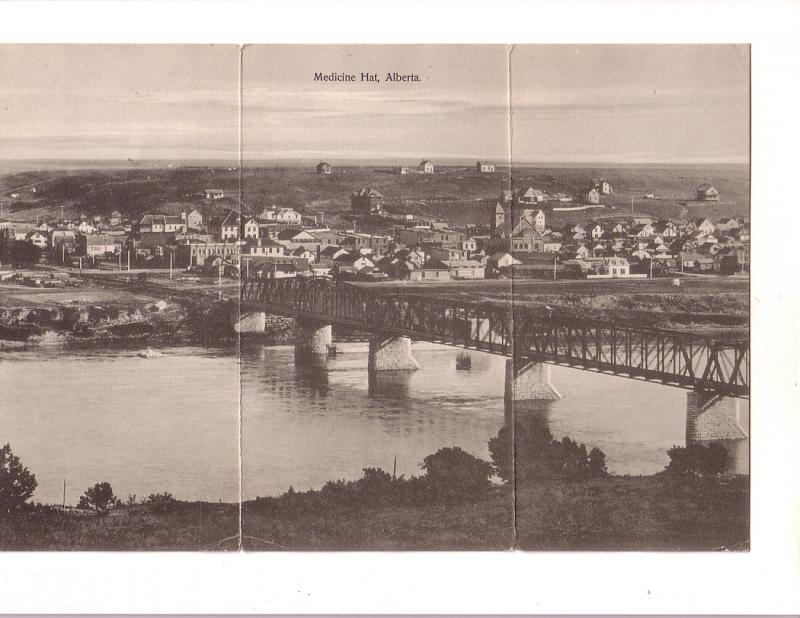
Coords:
526,334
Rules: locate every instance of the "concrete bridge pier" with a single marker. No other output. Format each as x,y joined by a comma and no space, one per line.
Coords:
528,383
313,337
250,322
712,418
391,354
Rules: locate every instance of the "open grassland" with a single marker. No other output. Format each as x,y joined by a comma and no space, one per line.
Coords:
455,193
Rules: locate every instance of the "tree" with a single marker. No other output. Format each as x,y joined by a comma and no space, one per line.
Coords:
17,484
453,475
22,252
530,452
98,498
597,463
697,460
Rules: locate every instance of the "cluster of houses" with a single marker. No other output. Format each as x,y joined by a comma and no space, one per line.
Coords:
598,247
519,241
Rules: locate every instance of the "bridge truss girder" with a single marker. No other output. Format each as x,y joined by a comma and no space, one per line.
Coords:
526,334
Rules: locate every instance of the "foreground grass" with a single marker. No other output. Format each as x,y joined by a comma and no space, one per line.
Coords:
612,513
190,526
619,513
486,524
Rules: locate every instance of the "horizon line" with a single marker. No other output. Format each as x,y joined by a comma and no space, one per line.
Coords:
450,160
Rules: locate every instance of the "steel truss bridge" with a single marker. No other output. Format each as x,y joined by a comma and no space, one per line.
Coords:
526,334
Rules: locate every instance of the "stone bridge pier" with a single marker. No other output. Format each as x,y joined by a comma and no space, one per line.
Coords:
391,354
529,382
312,337
712,418
250,322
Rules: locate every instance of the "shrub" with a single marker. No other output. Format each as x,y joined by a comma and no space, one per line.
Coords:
537,455
17,484
453,475
697,460
161,503
98,498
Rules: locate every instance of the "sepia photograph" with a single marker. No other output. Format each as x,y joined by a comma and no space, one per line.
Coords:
375,297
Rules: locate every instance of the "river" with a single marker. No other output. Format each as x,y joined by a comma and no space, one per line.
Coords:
172,423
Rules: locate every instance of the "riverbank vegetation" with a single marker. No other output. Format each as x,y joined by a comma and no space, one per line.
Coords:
563,496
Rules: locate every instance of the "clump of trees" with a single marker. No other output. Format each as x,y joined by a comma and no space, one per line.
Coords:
161,503
99,498
698,460
17,484
529,452
20,252
452,476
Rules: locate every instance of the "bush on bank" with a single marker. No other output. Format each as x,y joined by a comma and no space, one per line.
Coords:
17,484
452,476
529,452
697,460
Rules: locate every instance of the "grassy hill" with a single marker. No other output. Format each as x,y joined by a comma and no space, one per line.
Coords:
457,194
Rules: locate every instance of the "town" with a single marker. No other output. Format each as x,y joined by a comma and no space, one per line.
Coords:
526,232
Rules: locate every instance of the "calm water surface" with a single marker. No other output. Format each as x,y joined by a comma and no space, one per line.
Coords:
171,424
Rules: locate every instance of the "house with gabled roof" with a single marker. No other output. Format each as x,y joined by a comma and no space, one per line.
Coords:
226,227
366,201
707,193
250,229
597,231
532,196
602,185
305,253
426,167
620,229
331,252
728,223
352,263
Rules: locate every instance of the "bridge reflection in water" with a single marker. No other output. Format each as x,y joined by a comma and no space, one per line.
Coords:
716,371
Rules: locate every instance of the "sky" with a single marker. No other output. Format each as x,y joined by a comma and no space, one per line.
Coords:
594,103
119,102
459,108
631,103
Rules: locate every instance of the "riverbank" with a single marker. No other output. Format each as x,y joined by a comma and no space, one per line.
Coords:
42,317
614,513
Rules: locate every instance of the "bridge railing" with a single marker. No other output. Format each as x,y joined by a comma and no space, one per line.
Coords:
527,334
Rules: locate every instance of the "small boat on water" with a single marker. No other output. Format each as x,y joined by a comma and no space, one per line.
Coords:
463,361
151,353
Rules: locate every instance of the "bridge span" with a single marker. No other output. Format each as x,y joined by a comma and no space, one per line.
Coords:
717,372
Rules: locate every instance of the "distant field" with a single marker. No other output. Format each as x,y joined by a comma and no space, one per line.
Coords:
457,194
